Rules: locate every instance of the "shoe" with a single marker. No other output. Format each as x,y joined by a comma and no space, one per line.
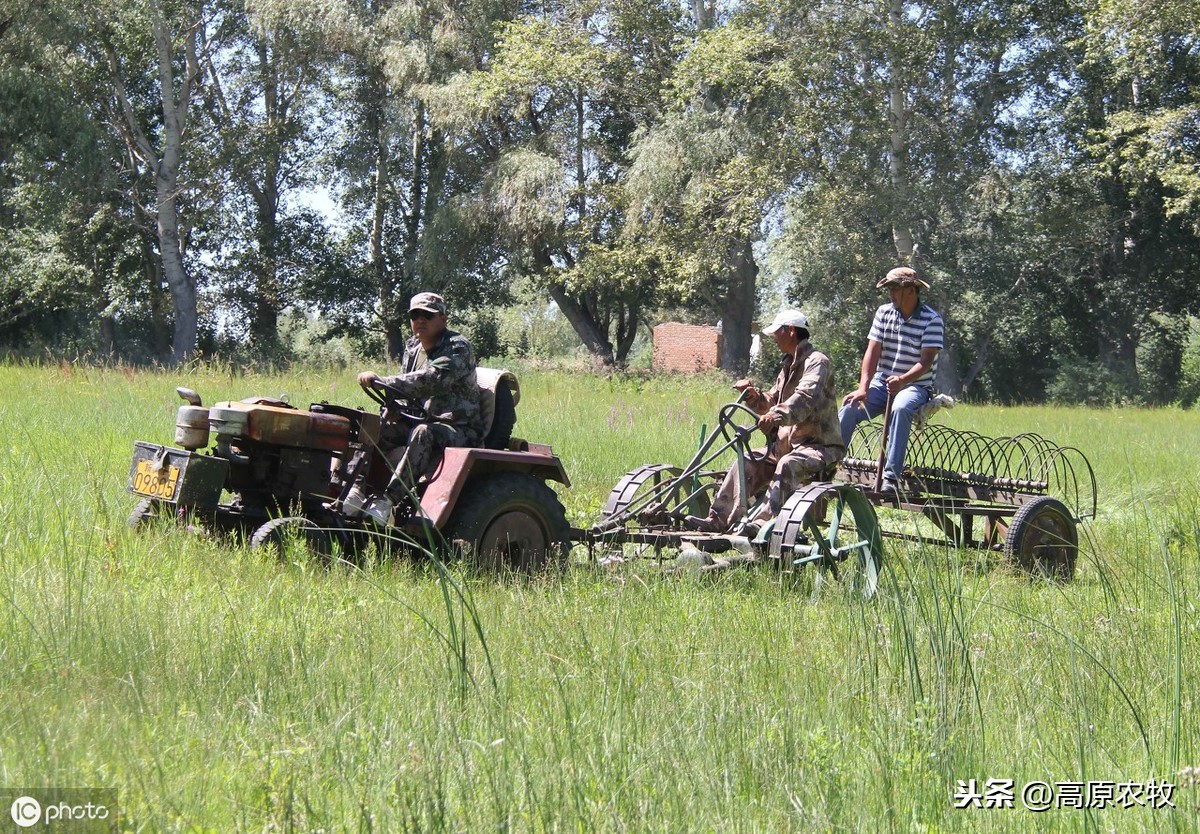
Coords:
379,510
356,499
702,525
889,488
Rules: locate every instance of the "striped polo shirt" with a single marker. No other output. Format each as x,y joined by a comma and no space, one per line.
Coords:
903,340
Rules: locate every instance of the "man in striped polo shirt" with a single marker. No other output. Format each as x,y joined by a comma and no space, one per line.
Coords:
900,361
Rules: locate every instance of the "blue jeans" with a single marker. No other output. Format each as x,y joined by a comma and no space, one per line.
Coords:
904,408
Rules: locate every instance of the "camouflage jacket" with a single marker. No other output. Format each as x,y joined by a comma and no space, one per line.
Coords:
805,397
443,380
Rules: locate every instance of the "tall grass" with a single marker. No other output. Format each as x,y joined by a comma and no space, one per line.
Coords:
218,689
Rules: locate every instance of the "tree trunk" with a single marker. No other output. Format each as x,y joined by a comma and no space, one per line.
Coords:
590,333
160,336
981,357
627,325
737,309
898,150
948,380
264,328
183,291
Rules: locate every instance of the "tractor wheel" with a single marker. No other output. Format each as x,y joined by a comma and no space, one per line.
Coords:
1043,539
147,510
510,521
280,535
834,528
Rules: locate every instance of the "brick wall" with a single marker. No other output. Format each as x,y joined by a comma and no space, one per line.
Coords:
686,347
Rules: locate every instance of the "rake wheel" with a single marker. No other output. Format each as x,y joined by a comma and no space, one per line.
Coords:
1043,539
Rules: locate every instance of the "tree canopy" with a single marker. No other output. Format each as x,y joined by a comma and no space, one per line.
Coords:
177,175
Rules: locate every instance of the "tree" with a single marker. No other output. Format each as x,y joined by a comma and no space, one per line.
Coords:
75,258
914,111
551,114
266,108
125,34
705,176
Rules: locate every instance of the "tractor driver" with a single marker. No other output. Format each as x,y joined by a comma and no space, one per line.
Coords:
800,413
439,373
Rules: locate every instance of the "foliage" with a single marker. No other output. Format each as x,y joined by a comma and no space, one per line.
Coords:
1189,372
1038,163
1090,383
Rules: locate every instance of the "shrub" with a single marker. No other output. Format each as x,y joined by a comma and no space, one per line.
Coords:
1086,382
1159,357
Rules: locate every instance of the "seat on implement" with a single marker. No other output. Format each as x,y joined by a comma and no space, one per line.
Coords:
499,393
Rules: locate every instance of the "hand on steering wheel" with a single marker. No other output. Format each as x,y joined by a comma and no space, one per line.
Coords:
394,403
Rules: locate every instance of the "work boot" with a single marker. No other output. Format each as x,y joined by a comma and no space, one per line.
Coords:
702,525
757,520
379,510
356,499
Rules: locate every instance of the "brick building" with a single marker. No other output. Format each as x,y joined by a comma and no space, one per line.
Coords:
686,347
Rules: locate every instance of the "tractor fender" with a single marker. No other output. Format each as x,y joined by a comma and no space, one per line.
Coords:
460,465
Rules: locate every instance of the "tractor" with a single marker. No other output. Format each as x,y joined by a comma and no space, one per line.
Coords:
269,472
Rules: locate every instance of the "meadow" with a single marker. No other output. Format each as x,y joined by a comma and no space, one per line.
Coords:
218,689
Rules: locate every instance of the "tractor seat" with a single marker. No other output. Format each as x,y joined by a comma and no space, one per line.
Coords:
499,393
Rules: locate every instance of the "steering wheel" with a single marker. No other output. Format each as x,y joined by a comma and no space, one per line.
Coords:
738,434
396,404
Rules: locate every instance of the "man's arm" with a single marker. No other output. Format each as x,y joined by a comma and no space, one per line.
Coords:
801,405
870,362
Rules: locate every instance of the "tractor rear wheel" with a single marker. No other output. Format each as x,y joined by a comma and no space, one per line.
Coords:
510,521
1043,539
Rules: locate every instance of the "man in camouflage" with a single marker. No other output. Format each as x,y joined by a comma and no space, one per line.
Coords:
439,373
799,414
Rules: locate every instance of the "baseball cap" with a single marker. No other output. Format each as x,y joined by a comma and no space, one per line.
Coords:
787,318
429,301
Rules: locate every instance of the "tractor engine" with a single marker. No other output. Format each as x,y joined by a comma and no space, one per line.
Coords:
278,455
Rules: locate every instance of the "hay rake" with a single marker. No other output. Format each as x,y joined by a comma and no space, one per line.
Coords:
1030,492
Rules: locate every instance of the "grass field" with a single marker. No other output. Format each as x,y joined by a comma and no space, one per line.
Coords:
218,690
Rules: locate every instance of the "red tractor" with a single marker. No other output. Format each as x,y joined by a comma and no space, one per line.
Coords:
275,472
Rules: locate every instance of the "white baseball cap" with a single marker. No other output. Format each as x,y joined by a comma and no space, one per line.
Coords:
787,318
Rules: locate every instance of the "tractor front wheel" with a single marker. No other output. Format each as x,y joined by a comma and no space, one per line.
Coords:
279,535
510,521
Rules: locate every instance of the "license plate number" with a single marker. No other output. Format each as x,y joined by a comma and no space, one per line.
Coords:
154,481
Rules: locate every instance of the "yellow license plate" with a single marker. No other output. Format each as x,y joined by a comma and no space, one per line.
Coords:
155,482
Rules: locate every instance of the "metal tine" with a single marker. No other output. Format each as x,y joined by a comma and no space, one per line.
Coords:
967,458
994,452
1045,451
1017,455
1048,453
1068,455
